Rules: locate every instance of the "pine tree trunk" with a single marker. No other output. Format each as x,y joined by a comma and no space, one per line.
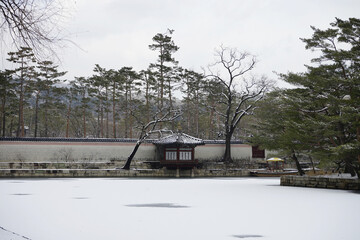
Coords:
11,127
161,84
171,104
36,115
102,120
46,113
130,117
147,104
113,112
126,114
197,115
98,123
20,131
188,113
3,119
349,168
84,121
358,139
312,164
210,129
68,118
298,166
21,126
107,113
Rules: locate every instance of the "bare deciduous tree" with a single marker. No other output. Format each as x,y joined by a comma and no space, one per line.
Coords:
32,23
237,91
146,129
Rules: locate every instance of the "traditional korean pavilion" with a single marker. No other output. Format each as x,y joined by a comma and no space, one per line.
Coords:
177,150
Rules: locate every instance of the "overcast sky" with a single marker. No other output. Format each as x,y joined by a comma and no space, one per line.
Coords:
116,33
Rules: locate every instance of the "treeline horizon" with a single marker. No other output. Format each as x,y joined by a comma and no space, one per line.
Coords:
110,103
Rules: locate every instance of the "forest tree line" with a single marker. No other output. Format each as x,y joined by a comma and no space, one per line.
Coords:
37,102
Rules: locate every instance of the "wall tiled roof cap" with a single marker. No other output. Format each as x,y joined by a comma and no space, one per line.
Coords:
179,138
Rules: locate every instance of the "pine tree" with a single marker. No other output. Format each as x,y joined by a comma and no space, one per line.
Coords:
8,97
116,86
46,89
100,94
166,47
147,78
70,92
131,86
327,95
82,88
193,85
24,75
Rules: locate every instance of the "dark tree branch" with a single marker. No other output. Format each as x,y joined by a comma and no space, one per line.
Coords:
33,23
150,128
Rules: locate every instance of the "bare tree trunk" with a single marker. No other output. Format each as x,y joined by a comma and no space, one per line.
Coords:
227,154
131,157
146,130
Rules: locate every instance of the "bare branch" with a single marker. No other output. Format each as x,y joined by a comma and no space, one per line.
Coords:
150,128
239,93
33,24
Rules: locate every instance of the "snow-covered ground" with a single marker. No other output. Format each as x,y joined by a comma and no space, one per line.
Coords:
206,209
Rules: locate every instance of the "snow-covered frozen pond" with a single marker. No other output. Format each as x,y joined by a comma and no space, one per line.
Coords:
217,208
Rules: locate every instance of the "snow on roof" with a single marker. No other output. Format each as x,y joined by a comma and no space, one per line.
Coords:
180,139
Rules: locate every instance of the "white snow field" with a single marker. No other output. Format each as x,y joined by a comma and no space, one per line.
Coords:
164,209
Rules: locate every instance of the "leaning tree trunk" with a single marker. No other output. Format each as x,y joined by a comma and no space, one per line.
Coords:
298,166
131,157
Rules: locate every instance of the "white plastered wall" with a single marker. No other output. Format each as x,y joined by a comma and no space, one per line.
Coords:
98,151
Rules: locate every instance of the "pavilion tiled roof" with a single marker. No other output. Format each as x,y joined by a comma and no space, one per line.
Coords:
179,139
